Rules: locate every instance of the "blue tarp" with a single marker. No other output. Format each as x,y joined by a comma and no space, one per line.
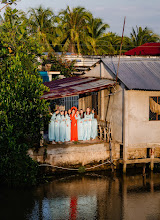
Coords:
44,76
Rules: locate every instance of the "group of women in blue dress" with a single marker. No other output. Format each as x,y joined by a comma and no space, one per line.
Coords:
72,125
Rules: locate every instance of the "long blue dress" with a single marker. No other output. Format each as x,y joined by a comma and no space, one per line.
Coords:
56,127
68,127
80,128
87,126
93,127
51,135
62,129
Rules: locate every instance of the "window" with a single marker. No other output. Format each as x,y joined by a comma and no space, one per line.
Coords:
71,101
154,108
66,102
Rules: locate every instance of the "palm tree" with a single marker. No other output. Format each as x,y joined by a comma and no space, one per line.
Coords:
42,23
111,43
73,24
140,36
95,35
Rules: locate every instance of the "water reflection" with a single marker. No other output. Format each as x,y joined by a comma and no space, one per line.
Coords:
87,197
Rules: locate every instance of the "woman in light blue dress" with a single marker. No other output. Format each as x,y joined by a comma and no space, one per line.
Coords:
62,128
93,125
68,126
79,118
56,126
87,124
51,135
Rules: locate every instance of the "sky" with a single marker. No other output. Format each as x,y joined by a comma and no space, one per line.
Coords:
138,12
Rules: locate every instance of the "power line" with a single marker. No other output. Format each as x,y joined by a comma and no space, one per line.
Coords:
112,45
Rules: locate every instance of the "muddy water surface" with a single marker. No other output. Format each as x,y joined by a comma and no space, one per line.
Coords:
85,197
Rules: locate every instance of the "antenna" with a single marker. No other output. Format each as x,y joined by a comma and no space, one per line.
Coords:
120,48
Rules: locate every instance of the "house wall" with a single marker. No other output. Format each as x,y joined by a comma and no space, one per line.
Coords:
85,101
100,71
114,113
139,131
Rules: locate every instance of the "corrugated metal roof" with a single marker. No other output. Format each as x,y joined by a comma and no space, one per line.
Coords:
142,74
74,86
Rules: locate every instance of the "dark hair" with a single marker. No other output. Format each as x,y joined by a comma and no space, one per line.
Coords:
89,110
95,113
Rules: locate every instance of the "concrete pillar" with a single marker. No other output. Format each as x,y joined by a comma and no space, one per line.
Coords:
125,130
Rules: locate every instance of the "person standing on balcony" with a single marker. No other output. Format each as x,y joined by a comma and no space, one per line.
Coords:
56,126
62,128
80,126
67,127
74,132
51,133
93,125
87,124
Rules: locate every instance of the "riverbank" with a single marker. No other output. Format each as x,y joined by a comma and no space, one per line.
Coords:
90,154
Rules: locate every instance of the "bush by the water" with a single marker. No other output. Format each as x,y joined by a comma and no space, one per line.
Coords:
22,112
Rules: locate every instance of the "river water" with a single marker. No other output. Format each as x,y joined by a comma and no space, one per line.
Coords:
92,196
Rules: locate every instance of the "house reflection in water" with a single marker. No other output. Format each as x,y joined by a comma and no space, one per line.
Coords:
90,197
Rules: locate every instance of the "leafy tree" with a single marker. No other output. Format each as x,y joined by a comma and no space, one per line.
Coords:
22,112
94,35
65,67
41,24
73,23
14,35
141,36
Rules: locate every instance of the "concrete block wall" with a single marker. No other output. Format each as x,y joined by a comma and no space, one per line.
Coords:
75,154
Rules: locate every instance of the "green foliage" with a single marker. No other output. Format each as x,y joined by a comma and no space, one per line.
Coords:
75,30
41,24
10,2
65,67
22,112
141,36
95,40
73,23
81,169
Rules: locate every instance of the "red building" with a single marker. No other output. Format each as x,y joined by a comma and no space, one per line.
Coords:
147,49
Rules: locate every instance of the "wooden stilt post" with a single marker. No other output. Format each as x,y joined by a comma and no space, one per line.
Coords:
144,170
100,129
124,166
110,149
151,182
152,158
104,134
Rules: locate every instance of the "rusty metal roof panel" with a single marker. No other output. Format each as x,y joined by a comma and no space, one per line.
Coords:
141,74
75,86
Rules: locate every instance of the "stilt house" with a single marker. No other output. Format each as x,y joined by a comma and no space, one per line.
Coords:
128,108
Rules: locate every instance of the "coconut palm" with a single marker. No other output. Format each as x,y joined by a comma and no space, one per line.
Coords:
73,24
95,35
140,36
42,23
